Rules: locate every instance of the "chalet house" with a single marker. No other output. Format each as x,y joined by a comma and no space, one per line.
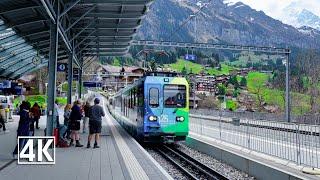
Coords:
116,77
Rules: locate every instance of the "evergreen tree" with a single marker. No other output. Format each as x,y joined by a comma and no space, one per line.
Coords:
184,71
153,65
235,93
234,81
222,90
219,67
211,63
216,57
243,82
191,72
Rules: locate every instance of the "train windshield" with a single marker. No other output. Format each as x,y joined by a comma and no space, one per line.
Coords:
174,96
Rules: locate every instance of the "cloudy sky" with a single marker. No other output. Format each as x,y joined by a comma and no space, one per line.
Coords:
273,8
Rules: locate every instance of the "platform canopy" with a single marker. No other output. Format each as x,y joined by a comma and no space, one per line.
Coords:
90,28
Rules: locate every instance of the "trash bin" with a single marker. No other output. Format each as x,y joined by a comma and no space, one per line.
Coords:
236,121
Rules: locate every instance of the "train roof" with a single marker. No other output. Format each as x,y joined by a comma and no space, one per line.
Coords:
162,74
155,79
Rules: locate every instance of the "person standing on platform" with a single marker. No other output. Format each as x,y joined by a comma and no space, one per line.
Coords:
66,115
75,118
56,113
36,113
95,123
86,110
2,117
23,126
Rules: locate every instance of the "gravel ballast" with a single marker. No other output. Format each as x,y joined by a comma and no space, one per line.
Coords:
211,162
172,171
227,170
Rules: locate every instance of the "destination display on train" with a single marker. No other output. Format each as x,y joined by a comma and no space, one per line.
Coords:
175,87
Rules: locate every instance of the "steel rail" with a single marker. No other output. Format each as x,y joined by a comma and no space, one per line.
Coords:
176,164
187,160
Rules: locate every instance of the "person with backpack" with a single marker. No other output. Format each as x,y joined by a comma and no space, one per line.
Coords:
86,109
75,118
23,126
95,123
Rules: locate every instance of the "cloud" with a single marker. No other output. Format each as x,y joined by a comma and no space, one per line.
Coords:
274,8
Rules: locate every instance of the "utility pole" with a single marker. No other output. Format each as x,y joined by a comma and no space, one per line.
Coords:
194,93
195,28
288,108
52,69
70,77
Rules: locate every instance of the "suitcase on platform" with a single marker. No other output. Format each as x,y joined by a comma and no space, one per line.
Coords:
62,143
56,136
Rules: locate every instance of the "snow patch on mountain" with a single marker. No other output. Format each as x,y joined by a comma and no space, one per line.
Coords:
297,16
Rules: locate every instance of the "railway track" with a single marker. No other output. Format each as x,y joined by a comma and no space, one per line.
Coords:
190,167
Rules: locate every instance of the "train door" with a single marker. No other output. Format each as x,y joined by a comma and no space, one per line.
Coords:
153,106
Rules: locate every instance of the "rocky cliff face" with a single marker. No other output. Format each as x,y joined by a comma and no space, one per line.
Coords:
220,22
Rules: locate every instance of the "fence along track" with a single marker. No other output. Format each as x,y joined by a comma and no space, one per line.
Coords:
298,143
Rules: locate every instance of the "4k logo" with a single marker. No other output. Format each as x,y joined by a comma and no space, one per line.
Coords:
36,150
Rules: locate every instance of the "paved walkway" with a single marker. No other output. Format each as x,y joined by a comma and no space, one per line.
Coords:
8,139
119,157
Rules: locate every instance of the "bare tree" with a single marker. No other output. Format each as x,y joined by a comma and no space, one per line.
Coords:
259,91
41,79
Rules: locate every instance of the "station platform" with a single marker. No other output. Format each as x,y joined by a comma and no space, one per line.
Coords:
119,157
227,142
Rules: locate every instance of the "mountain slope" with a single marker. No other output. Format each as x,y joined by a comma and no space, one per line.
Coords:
297,16
236,23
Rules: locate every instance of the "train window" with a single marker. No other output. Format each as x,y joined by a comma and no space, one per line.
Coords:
140,96
153,97
134,97
131,97
174,96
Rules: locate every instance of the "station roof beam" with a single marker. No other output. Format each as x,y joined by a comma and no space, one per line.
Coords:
95,28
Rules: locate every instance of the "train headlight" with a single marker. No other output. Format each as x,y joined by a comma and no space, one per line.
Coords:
153,118
180,119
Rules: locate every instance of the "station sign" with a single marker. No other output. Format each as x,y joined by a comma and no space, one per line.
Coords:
75,74
92,84
75,71
62,67
190,57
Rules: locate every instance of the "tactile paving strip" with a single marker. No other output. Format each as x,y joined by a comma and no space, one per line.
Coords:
134,168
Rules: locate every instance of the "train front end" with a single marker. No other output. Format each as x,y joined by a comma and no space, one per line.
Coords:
166,117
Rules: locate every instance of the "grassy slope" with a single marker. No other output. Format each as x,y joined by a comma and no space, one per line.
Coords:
225,69
180,64
244,56
274,96
197,68
254,79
